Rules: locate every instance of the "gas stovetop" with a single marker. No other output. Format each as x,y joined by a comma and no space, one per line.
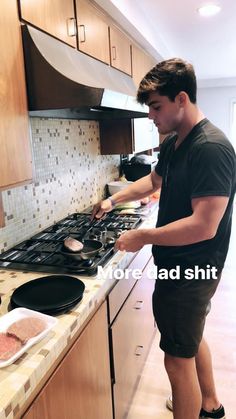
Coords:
42,253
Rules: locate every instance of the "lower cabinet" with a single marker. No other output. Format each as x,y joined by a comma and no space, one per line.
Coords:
131,335
98,376
80,387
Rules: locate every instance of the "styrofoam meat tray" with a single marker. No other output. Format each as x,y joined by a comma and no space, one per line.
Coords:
18,314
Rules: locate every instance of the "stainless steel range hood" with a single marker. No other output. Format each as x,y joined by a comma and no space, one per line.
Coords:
63,82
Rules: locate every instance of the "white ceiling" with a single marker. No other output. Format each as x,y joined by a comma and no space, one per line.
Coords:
173,28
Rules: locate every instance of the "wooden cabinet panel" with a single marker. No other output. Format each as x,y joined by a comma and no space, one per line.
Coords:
80,387
53,16
123,287
93,37
132,333
142,301
16,162
120,49
116,136
127,136
141,64
127,363
2,218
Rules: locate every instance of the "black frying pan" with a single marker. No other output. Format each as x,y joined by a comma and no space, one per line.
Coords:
91,248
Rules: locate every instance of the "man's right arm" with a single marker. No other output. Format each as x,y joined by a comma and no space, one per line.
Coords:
137,190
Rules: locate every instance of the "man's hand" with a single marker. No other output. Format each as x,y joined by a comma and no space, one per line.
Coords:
131,241
101,208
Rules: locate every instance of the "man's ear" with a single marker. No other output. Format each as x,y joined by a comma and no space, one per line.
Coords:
182,98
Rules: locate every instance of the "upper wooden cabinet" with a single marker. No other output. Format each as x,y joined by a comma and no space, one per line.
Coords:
16,161
141,64
120,47
53,16
127,136
93,37
97,33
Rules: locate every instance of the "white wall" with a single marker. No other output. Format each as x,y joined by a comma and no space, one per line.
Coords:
215,102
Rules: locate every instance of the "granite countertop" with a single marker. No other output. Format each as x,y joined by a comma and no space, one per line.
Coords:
19,380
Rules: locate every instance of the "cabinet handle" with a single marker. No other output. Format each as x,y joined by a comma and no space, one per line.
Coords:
71,26
138,350
82,37
114,53
138,305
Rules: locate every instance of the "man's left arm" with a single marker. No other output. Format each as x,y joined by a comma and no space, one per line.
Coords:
201,225
212,179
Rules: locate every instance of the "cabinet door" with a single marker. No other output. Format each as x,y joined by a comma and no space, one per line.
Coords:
123,287
53,16
116,136
16,162
127,136
120,48
142,302
141,64
145,135
80,387
93,36
132,334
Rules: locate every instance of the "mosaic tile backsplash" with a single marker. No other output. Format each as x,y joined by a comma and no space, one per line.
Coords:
70,175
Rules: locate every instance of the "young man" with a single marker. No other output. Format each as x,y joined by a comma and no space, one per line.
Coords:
196,173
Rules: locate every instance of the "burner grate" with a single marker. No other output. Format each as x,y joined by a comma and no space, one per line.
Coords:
42,253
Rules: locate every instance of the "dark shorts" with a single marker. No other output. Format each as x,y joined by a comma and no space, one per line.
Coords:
180,308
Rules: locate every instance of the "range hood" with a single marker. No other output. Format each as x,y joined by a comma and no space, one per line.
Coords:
63,82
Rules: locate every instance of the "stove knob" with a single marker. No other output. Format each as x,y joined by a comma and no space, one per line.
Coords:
110,241
94,236
104,232
118,233
88,263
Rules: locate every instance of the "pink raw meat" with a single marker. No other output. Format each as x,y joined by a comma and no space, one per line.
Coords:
73,245
26,328
9,345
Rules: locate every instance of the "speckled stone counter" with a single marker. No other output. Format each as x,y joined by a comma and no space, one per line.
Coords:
20,380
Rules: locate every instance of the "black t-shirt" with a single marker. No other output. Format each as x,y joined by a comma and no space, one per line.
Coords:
203,165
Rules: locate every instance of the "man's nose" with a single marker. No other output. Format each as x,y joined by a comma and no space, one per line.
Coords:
150,114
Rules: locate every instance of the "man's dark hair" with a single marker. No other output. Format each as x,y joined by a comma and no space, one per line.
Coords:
168,78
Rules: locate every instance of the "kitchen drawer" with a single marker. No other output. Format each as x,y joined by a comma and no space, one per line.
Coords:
123,287
141,302
125,359
131,335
